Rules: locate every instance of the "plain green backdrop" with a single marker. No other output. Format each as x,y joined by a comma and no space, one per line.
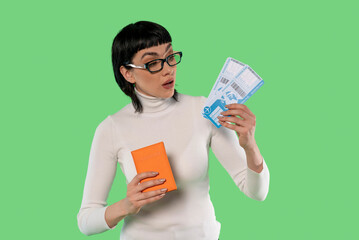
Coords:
57,85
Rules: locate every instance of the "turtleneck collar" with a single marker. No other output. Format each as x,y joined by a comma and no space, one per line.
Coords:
153,104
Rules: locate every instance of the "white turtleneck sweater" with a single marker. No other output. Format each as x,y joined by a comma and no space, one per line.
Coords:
185,213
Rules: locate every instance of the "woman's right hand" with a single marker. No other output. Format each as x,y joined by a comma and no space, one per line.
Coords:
135,198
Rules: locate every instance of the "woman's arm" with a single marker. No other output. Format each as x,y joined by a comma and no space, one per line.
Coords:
100,175
244,123
115,213
242,160
254,159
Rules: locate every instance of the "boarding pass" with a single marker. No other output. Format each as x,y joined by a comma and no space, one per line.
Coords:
236,83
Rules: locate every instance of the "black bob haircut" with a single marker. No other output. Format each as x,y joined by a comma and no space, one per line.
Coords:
131,39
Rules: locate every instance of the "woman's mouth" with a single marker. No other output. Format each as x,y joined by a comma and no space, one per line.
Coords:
169,85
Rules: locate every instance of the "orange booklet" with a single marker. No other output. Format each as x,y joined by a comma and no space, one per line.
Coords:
154,158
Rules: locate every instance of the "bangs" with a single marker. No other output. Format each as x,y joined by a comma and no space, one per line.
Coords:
141,35
149,39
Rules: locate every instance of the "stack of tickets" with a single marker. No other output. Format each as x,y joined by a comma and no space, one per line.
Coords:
236,83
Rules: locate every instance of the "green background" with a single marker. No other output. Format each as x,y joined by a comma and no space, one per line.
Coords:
57,85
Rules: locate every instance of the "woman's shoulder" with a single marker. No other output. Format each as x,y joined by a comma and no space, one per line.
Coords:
124,110
194,99
192,102
194,105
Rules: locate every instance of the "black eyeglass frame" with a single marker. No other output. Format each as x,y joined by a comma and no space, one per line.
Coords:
163,60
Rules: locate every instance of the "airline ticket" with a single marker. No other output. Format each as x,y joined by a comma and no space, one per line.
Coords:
236,83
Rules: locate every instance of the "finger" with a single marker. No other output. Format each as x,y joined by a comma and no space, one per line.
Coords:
152,199
150,183
153,193
240,106
237,112
238,129
137,191
137,179
140,199
236,120
228,125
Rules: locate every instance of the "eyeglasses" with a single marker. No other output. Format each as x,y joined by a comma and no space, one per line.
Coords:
157,64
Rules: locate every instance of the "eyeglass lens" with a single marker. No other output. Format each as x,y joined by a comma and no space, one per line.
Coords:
157,65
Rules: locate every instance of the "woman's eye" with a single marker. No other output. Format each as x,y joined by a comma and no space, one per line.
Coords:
153,66
172,59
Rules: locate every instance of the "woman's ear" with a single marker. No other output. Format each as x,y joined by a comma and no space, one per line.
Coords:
127,74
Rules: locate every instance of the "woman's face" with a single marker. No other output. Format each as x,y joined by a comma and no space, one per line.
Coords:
152,84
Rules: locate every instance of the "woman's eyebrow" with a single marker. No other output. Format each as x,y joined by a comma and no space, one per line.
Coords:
154,53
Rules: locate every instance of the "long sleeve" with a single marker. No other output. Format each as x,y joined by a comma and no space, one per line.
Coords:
100,175
231,155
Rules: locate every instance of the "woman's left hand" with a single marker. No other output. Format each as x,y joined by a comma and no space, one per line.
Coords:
244,125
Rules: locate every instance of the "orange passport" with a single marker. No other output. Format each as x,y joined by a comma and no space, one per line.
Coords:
154,158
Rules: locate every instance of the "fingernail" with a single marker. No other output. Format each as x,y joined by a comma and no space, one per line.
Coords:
154,173
163,189
162,180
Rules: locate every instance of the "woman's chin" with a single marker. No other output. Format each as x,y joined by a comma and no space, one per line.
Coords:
169,94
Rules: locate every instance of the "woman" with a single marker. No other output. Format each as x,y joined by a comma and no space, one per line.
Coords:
144,65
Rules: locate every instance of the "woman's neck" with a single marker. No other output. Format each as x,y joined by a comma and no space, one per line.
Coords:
152,104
